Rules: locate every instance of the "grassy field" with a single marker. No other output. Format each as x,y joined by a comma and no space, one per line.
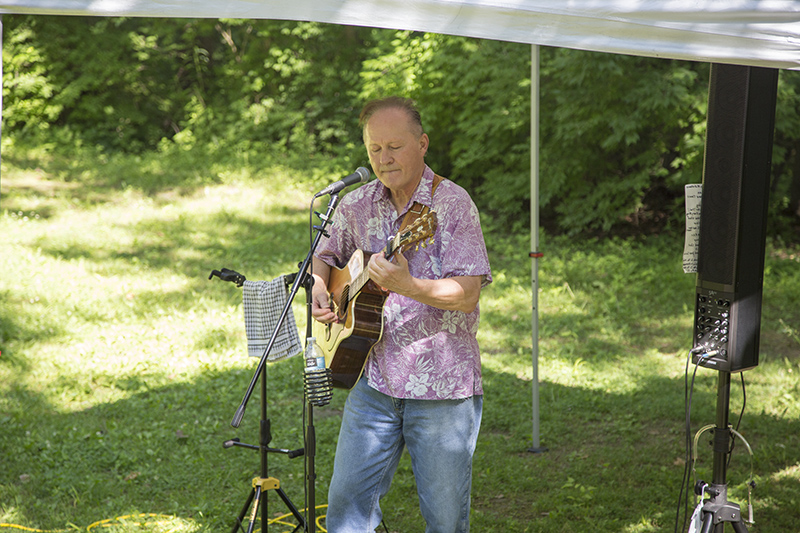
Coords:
122,364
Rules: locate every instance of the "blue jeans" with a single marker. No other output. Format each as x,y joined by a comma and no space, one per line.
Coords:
440,436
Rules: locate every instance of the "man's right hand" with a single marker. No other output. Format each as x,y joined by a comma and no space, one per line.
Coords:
321,305
320,299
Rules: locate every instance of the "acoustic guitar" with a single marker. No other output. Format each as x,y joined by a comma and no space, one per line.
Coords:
358,304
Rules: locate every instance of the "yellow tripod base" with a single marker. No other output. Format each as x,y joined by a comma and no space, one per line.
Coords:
266,483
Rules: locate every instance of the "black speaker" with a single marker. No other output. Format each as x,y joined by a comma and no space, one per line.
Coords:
733,213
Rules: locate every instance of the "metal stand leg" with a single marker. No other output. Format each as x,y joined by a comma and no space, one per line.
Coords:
260,485
718,511
264,482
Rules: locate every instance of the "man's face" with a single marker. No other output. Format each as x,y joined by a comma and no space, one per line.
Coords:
396,151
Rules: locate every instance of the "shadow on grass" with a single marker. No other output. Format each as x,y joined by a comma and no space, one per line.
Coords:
616,299
614,459
157,451
18,323
93,176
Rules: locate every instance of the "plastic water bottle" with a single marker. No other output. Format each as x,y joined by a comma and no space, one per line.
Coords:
317,378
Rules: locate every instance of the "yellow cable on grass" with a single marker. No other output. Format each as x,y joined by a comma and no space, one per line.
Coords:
110,522
101,523
23,528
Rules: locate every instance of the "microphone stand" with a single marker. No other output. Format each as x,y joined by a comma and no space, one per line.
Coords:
264,482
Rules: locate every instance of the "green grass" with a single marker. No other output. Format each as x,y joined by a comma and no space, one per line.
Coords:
121,364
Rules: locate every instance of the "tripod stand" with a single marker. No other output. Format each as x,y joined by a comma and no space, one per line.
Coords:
264,483
718,511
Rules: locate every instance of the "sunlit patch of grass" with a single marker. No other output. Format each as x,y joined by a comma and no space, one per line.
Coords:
121,363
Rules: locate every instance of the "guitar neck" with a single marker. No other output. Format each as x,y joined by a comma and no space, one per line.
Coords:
393,245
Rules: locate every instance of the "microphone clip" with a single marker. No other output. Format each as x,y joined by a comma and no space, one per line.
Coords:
228,275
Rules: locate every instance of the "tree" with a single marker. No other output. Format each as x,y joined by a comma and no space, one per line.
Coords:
620,135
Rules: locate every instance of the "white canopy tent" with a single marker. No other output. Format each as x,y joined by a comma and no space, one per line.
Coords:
764,33
746,32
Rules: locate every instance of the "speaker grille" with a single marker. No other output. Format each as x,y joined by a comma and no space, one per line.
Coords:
727,106
730,269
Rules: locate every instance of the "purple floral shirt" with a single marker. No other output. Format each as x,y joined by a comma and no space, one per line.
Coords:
424,352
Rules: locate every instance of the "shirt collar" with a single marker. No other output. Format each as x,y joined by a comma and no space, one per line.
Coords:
422,193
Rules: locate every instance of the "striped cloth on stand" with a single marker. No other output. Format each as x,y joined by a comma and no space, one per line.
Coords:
263,304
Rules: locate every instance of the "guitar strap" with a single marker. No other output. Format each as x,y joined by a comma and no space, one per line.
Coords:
417,209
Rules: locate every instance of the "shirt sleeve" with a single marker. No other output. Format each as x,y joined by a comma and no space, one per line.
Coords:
462,243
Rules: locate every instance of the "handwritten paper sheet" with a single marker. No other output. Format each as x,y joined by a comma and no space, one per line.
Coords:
693,194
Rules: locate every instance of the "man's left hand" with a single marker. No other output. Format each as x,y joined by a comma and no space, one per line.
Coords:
391,275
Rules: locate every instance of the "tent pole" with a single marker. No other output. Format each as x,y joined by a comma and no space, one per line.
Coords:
535,254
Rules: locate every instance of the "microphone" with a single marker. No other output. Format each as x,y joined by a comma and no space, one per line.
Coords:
361,175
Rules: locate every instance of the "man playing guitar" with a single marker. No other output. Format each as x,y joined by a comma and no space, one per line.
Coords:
421,386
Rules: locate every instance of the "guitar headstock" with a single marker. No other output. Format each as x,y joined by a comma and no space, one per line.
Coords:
420,232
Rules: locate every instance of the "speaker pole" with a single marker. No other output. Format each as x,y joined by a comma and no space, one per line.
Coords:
717,511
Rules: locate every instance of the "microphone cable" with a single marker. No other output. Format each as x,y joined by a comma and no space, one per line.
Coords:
688,392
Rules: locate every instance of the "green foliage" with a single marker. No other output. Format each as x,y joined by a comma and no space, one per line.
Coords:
475,100
481,116
393,65
125,84
616,129
619,135
785,188
107,83
27,93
